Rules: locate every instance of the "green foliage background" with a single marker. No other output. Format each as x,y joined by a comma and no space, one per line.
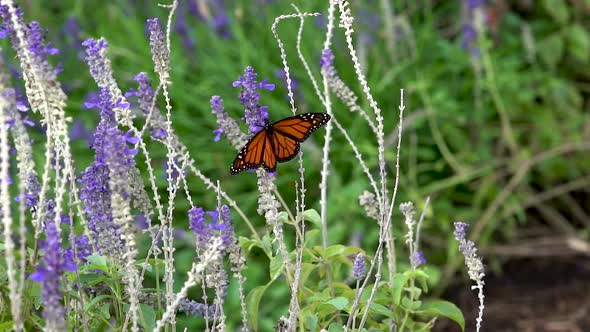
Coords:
453,150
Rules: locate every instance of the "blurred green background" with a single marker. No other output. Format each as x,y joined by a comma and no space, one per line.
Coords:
496,132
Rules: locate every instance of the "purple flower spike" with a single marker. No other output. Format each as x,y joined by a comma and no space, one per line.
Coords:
327,59
160,53
50,271
472,260
358,268
33,191
83,250
196,309
474,4
220,225
113,160
470,26
418,259
36,45
96,59
221,25
145,98
182,29
218,132
198,224
256,116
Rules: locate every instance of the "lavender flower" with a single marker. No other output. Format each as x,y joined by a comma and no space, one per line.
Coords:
50,271
160,53
226,124
96,196
33,191
225,226
358,268
96,59
72,29
218,132
174,174
181,28
368,26
145,97
474,264
220,22
196,309
327,59
34,38
82,249
256,115
472,26
6,28
36,45
111,151
119,157
91,100
193,8
468,249
220,225
369,202
79,131
418,259
474,4
340,89
197,222
39,74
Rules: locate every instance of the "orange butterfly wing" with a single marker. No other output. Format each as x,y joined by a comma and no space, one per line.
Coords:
299,127
290,132
278,142
284,147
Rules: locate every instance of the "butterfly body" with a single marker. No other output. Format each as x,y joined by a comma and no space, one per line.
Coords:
277,142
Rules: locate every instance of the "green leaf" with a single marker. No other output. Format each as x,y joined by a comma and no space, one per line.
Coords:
399,283
247,244
97,262
6,326
306,270
284,218
95,301
311,235
335,327
276,266
557,9
578,42
253,302
382,310
422,279
311,322
551,49
148,317
105,311
313,216
339,302
92,279
446,309
334,250
266,245
97,259
325,309
93,267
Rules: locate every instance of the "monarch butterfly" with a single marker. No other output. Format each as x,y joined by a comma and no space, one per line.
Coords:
277,142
